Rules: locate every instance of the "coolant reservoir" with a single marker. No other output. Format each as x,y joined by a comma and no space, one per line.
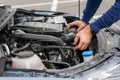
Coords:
27,60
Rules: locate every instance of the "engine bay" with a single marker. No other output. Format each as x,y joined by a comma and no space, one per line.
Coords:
38,40
44,37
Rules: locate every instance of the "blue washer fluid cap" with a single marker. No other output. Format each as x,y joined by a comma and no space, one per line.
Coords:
87,53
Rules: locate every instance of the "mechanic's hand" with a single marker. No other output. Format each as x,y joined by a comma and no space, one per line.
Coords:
84,35
80,24
83,38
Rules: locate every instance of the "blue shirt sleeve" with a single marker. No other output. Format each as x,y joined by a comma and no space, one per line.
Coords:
107,19
91,8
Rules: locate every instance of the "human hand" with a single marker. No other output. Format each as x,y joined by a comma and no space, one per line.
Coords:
84,35
83,38
79,24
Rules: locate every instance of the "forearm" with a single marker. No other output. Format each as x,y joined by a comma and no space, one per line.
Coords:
91,8
111,16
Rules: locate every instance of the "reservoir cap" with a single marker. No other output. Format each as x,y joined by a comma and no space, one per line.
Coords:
87,53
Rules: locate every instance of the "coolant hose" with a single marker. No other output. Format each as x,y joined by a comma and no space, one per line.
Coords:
43,38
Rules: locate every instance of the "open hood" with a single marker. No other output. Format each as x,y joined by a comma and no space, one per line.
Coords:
5,15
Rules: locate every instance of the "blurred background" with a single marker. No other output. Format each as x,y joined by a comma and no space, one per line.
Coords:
69,6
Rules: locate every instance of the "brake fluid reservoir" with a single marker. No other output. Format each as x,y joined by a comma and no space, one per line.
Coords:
87,55
27,60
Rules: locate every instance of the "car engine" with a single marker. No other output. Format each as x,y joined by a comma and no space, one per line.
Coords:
41,37
38,41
